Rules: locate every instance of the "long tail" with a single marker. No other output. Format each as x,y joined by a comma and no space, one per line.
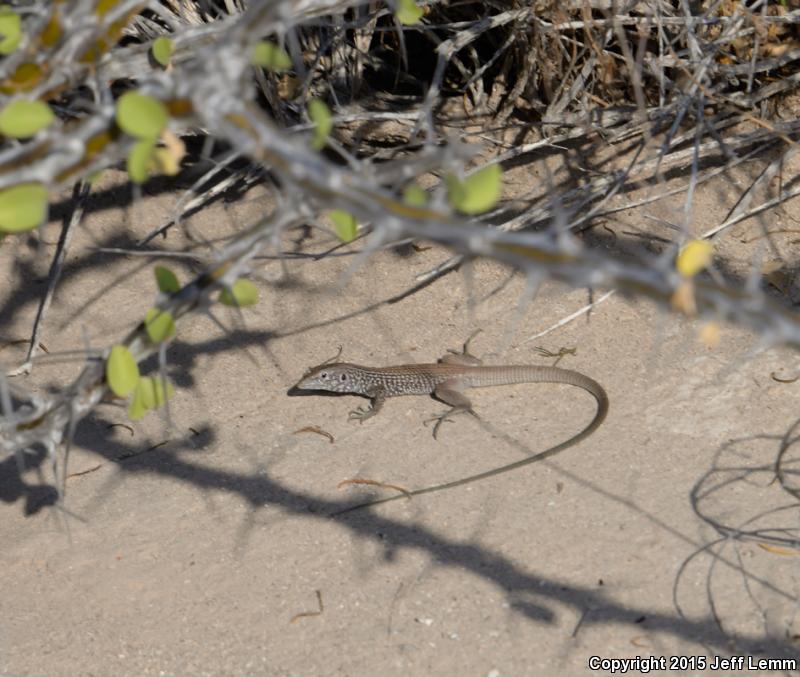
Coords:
575,378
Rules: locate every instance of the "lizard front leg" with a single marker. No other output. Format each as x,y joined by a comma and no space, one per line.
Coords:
363,413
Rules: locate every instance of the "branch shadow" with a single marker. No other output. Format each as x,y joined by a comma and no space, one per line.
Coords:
748,499
28,286
538,598
194,168
14,488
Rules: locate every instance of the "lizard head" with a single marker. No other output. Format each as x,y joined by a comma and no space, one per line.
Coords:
337,378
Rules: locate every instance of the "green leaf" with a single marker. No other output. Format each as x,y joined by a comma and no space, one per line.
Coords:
270,56
137,408
242,293
408,12
154,392
345,224
140,160
166,280
141,116
478,192
320,115
122,372
21,119
10,30
163,390
414,196
162,51
159,325
22,207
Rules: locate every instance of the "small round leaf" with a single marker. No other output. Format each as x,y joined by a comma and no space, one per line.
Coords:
320,115
270,56
162,51
162,390
408,12
122,372
22,119
137,408
478,192
166,280
694,256
159,325
104,6
141,116
52,32
154,392
10,30
140,160
414,196
709,335
22,207
242,293
24,78
345,224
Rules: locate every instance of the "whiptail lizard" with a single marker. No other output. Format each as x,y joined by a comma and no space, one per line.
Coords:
446,381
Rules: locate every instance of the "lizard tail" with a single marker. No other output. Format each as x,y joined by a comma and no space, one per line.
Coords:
555,375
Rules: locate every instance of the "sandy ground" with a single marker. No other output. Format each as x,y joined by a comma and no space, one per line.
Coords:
206,549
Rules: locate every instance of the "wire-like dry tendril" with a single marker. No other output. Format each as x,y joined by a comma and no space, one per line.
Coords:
775,377
374,483
315,429
85,472
307,614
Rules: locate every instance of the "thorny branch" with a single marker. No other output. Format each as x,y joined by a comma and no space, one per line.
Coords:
681,70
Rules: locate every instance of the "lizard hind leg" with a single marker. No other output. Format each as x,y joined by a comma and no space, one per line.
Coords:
462,357
450,393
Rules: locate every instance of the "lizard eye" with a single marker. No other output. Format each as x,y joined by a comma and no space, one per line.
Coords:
324,374
343,377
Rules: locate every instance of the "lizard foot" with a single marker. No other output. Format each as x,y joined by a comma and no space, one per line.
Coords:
447,417
361,414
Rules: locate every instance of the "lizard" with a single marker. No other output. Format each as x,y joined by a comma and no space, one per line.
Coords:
446,380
